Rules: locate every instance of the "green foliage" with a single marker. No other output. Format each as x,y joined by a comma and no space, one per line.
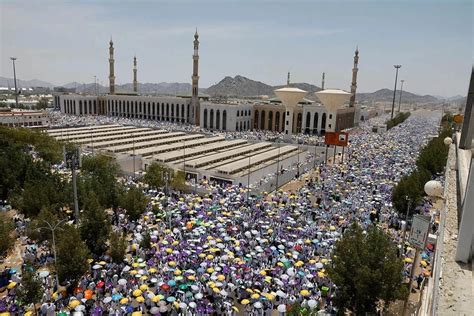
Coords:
6,229
134,201
42,104
99,175
399,118
178,180
411,187
146,241
154,176
31,288
366,269
72,254
118,247
35,231
94,225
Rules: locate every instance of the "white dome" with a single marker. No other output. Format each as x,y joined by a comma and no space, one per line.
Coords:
448,141
434,188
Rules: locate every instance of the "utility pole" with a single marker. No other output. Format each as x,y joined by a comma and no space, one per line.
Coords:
248,183
406,224
14,78
73,160
395,89
133,145
400,98
278,168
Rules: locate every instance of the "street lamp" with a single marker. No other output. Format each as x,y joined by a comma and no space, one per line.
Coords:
395,89
53,228
406,224
400,98
14,78
278,168
248,182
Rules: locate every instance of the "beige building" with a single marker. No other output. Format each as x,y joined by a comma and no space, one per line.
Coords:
24,118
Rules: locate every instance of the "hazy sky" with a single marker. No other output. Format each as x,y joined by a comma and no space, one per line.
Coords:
62,42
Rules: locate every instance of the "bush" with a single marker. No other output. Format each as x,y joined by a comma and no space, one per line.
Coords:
399,118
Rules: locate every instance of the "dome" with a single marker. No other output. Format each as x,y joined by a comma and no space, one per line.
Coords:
434,188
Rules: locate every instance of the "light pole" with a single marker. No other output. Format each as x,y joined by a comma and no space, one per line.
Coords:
406,224
133,146
14,79
248,182
278,168
400,98
395,89
184,160
53,228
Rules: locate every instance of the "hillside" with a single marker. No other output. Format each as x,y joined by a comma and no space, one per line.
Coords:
386,95
8,82
239,86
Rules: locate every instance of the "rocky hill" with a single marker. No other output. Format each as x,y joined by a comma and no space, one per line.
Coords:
386,95
8,82
239,86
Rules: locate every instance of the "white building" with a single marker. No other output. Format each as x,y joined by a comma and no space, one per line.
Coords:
24,118
226,117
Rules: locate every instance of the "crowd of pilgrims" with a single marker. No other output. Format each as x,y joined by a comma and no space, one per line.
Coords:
222,254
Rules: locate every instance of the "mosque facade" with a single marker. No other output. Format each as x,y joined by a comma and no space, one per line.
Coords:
309,117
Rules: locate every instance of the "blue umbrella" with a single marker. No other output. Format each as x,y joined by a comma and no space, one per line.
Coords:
171,282
171,299
116,296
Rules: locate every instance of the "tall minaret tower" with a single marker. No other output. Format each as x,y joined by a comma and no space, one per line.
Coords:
135,82
288,79
322,82
354,78
195,81
111,68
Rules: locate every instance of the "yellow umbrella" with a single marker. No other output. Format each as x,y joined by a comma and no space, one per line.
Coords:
103,263
235,309
321,274
155,299
137,314
210,257
202,255
11,285
324,260
172,263
216,290
244,302
144,277
137,293
135,264
299,264
143,287
124,301
408,260
90,260
424,263
152,270
140,299
191,278
210,270
255,296
74,303
28,313
221,277
177,272
304,292
133,272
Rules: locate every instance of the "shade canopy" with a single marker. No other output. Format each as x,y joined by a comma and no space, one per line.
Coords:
333,99
290,96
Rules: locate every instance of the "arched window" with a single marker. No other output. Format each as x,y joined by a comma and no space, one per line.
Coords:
315,123
270,121
308,121
162,111
236,126
90,107
205,118
224,120
167,111
241,113
148,113
237,113
153,110
218,119
80,107
172,112
323,124
299,122
188,110
240,125
262,120
277,121
182,113
211,119
177,112
255,120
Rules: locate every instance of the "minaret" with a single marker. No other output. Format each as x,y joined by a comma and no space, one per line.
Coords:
195,81
354,78
288,79
135,82
322,83
111,68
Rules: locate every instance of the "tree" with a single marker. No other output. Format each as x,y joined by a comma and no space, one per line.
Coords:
6,230
118,247
178,181
94,225
154,176
411,187
366,270
72,255
134,201
30,290
42,104
34,230
99,174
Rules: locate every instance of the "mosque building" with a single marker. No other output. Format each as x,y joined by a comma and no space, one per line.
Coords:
309,117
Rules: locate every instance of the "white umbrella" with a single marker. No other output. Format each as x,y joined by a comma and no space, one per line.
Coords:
192,304
122,281
312,303
154,310
107,300
258,305
281,308
96,267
